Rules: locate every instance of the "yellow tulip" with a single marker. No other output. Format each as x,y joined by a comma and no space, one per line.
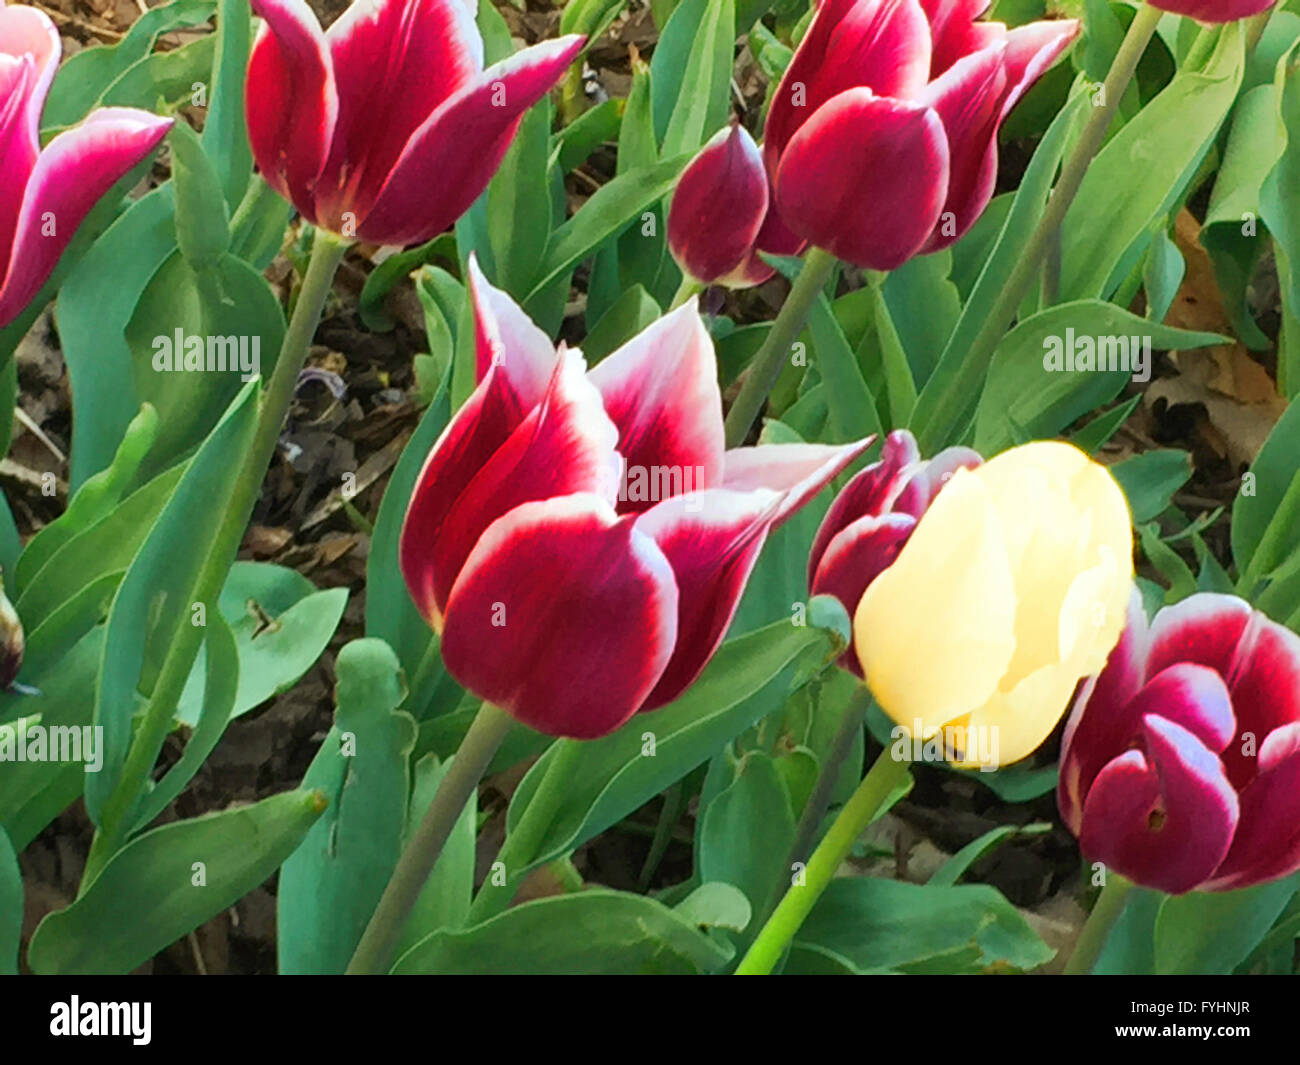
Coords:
1012,588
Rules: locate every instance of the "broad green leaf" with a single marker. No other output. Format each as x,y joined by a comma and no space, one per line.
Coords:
702,94
11,906
519,219
330,886
1208,932
592,932
167,882
202,218
630,314
1262,502
164,80
1151,479
225,130
1280,204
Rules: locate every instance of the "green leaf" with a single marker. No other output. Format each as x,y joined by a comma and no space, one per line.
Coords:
1097,433
169,881
164,80
702,94
1163,274
879,924
1151,479
611,208
1280,204
1027,388
398,266
158,593
225,131
1259,505
11,907
518,218
592,932
617,774
280,624
716,905
330,886
1129,948
1214,931
956,867
220,682
84,77
631,313
1104,236
202,218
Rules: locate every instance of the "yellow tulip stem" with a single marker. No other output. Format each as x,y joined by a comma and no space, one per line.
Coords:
767,364
1097,929
881,781
949,412
374,954
525,839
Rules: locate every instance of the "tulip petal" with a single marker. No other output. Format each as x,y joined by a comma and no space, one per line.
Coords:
881,45
1030,52
451,158
18,145
395,58
661,391
27,31
869,493
968,98
928,478
563,446
1267,841
1214,10
712,540
1265,686
1167,822
796,471
1206,628
564,615
506,338
935,631
292,102
855,557
708,244
76,169
865,178
955,31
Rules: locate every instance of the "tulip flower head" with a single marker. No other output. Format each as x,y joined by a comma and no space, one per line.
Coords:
386,127
872,518
1214,10
1180,768
45,194
881,141
1012,588
581,539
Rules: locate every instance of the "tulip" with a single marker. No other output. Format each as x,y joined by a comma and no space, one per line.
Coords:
718,210
1180,767
872,518
386,128
45,194
1214,10
1011,588
566,593
881,141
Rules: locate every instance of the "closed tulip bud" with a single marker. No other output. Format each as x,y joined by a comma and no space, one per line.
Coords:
872,518
718,211
1009,591
1214,10
581,539
387,127
46,193
1180,767
881,141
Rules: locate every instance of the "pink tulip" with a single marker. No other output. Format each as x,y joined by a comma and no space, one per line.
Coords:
45,194
1214,10
581,539
873,517
1180,767
881,142
386,128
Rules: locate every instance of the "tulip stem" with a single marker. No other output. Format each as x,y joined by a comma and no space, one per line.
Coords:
770,360
374,954
1097,929
881,781
688,288
949,411
524,840
116,817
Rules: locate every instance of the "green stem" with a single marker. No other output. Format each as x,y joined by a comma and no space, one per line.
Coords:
116,820
876,787
1097,929
374,954
688,288
950,408
770,360
526,837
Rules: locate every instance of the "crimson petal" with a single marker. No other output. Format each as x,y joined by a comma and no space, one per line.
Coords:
797,472
1267,841
1265,688
564,615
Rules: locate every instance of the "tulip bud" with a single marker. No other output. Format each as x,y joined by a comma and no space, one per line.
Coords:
1180,766
1214,10
718,210
1011,589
